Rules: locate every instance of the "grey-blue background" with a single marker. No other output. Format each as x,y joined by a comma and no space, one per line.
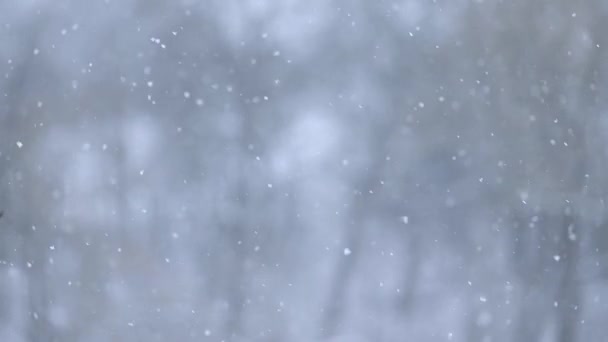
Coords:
257,170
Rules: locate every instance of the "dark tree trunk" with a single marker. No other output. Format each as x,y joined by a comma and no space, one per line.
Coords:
568,294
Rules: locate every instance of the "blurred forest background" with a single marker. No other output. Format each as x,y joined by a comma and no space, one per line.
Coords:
256,170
